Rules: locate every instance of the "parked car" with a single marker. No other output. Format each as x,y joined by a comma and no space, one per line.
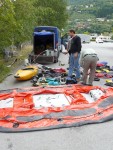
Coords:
99,40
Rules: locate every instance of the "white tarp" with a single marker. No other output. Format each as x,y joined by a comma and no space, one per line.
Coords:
51,100
7,103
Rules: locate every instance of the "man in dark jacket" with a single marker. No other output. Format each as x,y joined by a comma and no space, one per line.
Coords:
74,52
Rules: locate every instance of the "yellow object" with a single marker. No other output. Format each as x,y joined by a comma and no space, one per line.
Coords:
98,71
108,81
106,70
26,73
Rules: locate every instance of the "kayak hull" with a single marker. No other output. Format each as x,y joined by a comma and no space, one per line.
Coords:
26,74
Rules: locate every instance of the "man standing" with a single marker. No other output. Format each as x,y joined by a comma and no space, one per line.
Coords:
74,54
88,61
69,45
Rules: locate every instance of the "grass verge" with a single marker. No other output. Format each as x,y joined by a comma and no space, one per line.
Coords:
21,56
4,71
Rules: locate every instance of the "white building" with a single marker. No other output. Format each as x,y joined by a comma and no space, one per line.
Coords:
100,19
93,36
104,38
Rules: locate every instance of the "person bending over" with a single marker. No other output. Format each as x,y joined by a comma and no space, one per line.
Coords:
88,61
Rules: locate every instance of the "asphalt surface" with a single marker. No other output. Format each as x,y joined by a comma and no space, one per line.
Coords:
89,137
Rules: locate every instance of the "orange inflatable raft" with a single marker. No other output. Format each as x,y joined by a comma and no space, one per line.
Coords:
34,109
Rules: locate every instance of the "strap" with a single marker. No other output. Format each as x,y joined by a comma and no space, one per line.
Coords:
90,55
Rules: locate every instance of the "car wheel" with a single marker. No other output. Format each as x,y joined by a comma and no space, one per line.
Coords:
61,49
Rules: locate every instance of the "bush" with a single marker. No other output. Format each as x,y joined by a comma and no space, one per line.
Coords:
3,72
112,37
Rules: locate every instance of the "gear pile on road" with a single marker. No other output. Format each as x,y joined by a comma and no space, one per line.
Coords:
50,76
103,70
45,76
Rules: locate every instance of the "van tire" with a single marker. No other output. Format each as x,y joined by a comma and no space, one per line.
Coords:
58,53
61,49
56,60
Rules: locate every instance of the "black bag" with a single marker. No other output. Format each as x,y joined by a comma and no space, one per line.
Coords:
72,80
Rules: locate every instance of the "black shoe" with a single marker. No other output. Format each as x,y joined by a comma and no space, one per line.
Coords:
109,84
90,84
83,83
96,79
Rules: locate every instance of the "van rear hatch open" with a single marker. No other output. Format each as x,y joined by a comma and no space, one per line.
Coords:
44,47
43,41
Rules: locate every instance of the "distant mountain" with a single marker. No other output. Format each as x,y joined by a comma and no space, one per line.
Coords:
88,1
90,14
100,8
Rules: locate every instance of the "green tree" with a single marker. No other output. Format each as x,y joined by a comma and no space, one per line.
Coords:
19,17
51,13
86,32
25,20
7,23
99,28
112,37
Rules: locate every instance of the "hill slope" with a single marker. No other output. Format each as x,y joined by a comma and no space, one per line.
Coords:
90,15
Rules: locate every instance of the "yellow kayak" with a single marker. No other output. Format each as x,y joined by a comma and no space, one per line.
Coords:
98,71
103,70
106,70
109,81
26,73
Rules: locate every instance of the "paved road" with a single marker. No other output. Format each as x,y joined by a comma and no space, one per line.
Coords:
90,137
